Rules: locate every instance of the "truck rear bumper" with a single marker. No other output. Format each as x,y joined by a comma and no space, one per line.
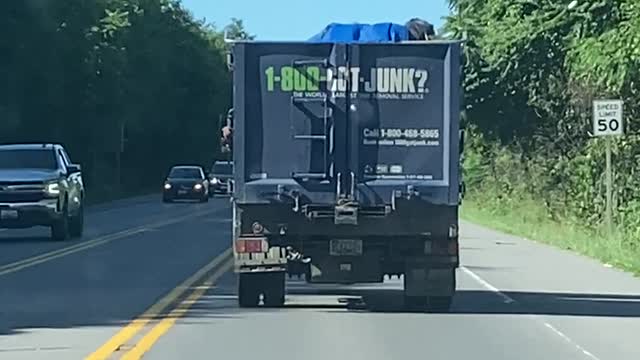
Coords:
451,261
370,267
354,253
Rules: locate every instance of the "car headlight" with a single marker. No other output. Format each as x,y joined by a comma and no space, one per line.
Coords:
215,180
52,189
197,186
167,186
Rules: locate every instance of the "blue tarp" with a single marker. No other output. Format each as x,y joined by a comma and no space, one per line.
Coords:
362,33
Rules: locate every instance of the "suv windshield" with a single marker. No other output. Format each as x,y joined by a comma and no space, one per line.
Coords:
222,168
28,159
185,173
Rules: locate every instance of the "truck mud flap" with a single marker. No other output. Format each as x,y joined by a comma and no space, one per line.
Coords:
424,281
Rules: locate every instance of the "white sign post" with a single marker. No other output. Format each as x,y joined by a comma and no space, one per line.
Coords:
607,122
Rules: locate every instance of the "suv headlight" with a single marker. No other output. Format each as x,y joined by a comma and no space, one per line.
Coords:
215,180
52,189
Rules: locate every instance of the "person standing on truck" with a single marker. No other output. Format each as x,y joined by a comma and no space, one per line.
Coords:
227,132
420,30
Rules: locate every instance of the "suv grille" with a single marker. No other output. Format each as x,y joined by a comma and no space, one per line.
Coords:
16,193
21,197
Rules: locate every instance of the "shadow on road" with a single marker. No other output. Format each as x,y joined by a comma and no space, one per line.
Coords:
367,299
553,303
538,303
96,311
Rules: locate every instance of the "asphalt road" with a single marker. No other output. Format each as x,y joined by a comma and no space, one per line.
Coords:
150,279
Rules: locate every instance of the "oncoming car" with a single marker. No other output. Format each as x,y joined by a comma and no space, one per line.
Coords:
186,182
220,177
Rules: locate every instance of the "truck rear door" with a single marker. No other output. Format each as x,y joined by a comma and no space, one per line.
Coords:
360,121
402,119
288,121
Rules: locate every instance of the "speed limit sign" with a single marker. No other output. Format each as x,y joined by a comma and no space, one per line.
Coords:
607,117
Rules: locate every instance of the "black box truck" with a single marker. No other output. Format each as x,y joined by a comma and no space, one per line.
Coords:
347,166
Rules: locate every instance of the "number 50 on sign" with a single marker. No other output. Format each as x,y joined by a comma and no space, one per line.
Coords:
607,117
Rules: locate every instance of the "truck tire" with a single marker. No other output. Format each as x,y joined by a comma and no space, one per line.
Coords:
248,291
439,303
60,228
274,292
76,225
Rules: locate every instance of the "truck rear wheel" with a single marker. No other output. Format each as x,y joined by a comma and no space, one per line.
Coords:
274,289
248,291
429,289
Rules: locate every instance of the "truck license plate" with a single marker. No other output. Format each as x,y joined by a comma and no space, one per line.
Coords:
345,247
8,214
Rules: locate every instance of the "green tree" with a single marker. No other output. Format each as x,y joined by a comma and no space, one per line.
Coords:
531,71
135,85
236,31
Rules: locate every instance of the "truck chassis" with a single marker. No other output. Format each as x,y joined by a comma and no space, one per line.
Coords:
416,239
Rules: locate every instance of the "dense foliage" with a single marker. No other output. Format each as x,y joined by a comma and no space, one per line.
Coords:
129,86
133,86
532,71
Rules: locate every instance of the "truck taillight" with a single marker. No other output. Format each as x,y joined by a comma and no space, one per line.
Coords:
453,231
252,245
453,246
453,239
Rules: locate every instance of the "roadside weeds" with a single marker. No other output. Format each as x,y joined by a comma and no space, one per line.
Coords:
530,220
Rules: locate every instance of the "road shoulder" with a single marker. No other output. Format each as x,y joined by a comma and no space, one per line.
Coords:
596,307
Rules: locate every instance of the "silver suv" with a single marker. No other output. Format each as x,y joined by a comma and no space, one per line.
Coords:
40,186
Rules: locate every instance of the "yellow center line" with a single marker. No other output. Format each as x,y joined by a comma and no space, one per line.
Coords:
129,331
65,253
146,343
85,245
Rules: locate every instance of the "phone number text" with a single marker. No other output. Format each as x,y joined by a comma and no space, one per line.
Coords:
401,133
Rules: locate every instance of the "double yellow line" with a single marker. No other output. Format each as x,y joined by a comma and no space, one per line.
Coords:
42,258
206,276
85,245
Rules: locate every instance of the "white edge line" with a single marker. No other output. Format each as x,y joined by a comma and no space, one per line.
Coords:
508,300
505,298
568,340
